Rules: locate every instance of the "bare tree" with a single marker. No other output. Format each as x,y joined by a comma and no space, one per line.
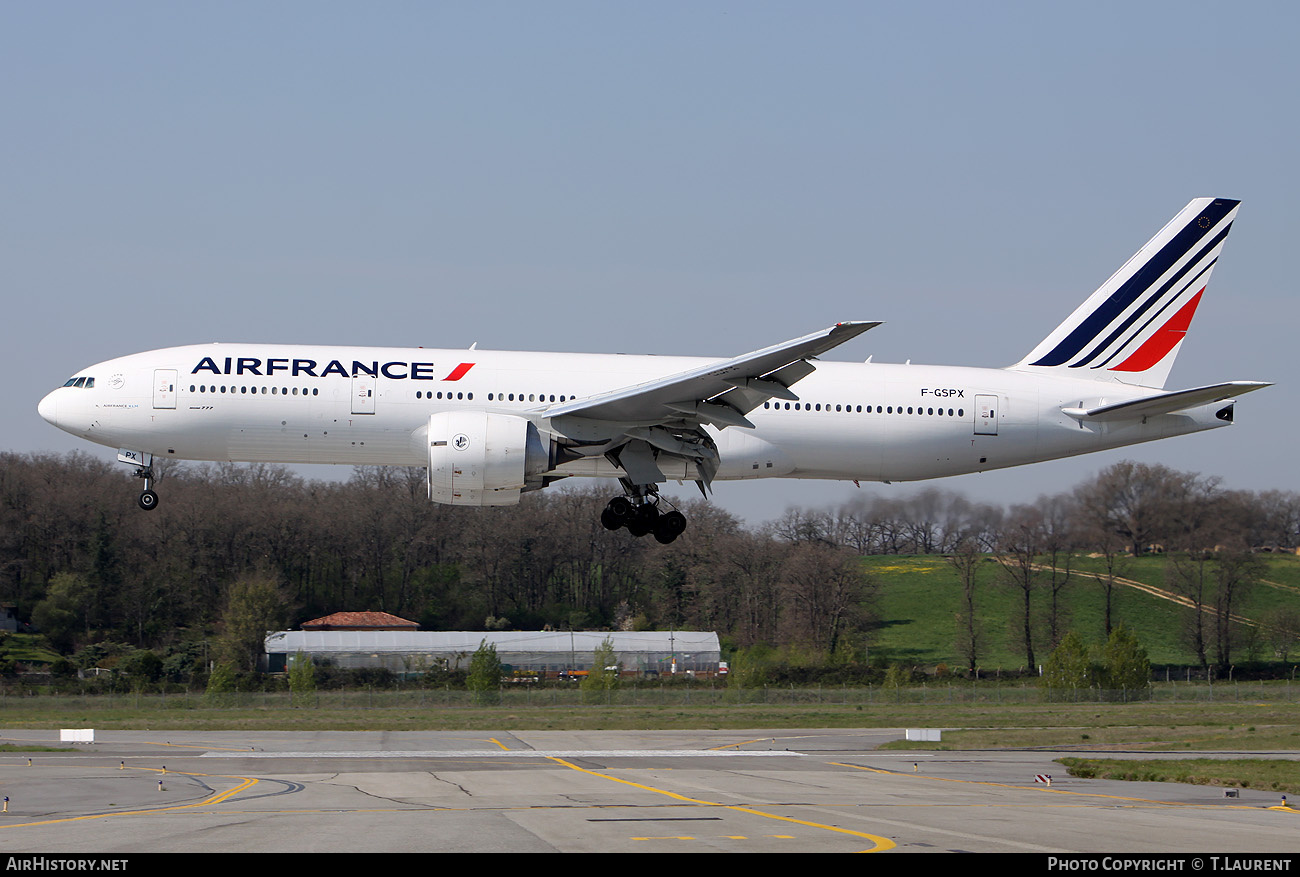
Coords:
1276,523
1143,503
799,525
966,560
826,593
1189,575
1236,572
1059,546
1020,543
1283,627
1113,549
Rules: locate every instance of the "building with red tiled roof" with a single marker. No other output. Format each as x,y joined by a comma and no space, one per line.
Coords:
360,621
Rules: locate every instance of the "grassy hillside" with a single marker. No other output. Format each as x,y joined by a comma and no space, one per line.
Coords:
921,599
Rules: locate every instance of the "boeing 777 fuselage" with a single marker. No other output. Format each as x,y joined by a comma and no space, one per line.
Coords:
490,425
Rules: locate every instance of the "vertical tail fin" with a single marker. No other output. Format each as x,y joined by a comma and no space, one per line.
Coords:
1132,327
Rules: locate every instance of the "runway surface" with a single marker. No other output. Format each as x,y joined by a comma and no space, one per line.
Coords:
595,791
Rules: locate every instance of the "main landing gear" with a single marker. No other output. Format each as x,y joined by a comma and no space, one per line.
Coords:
639,512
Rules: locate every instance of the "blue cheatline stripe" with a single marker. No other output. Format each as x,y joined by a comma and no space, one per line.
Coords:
1164,307
1096,322
1152,299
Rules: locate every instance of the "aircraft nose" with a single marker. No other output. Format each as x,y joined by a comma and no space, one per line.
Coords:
49,409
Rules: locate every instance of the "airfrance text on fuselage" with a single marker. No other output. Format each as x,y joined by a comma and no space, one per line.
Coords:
252,365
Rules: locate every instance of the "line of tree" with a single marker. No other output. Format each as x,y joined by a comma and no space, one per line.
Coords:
236,549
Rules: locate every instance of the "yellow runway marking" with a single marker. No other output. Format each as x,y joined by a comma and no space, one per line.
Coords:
771,740
881,843
215,798
741,743
207,802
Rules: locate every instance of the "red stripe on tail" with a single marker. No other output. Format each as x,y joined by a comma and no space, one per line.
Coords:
1164,340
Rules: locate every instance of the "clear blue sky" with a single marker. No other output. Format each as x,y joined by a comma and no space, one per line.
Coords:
701,178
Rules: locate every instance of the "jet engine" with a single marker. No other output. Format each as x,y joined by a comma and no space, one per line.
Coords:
481,458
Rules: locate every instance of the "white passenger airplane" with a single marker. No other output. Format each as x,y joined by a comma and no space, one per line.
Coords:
490,425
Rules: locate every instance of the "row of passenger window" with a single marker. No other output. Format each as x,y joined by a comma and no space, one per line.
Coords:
858,409
253,391
493,397
314,391
543,397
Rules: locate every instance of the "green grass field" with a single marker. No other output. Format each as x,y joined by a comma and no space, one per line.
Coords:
1261,774
1259,715
920,600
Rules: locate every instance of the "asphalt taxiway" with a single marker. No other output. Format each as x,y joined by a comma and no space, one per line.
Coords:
595,791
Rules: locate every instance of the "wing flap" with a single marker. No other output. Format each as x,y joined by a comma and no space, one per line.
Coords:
639,425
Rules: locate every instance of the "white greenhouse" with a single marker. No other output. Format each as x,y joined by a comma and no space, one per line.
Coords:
544,653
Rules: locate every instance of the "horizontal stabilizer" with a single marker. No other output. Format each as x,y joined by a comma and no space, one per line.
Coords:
1165,403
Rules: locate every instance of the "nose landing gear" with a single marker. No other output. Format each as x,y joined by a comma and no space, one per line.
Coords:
143,463
148,498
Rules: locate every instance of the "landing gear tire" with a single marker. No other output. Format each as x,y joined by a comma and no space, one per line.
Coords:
620,509
148,500
644,521
618,513
668,527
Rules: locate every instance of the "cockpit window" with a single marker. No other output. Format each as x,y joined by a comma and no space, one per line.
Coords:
80,382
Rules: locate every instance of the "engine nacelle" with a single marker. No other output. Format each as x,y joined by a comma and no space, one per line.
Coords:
481,458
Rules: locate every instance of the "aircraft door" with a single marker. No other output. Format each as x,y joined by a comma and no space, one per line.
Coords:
986,415
364,388
164,388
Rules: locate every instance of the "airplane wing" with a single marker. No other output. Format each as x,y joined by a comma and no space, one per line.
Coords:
635,425
1165,403
739,384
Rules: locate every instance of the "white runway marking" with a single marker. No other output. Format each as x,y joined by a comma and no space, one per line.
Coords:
513,753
